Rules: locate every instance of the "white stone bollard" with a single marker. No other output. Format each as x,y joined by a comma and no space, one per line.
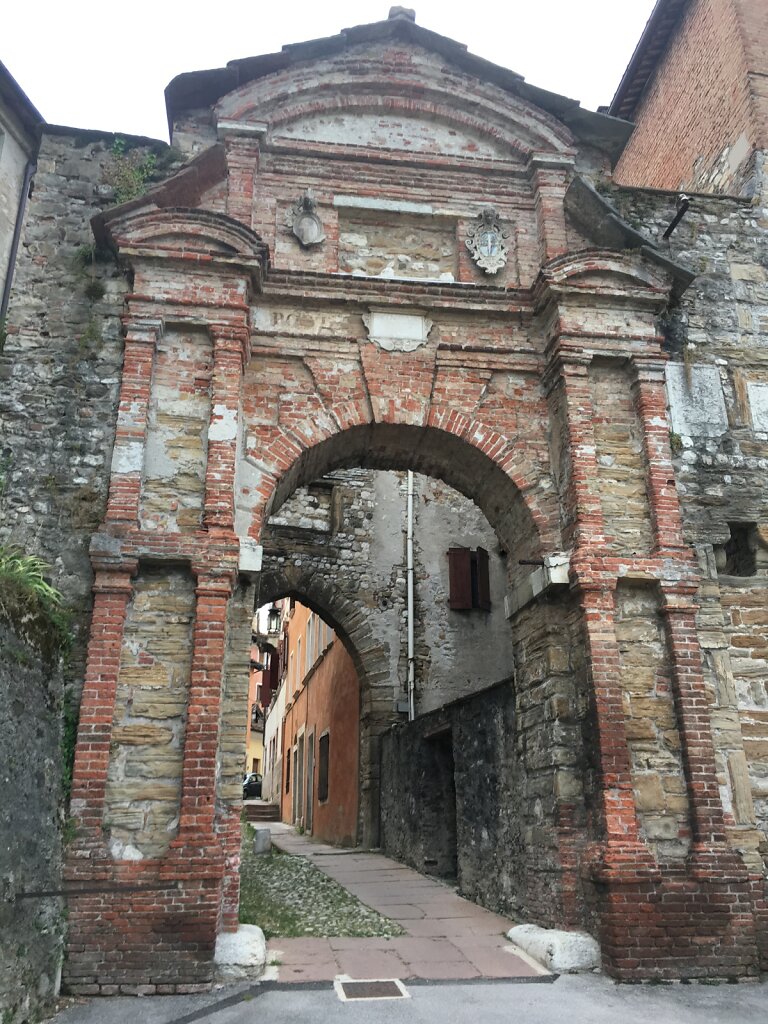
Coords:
560,951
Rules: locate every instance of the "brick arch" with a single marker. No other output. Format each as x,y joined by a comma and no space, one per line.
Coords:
368,654
325,598
468,455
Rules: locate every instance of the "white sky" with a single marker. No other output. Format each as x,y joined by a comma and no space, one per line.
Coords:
105,64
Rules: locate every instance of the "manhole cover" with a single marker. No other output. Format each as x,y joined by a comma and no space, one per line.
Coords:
371,989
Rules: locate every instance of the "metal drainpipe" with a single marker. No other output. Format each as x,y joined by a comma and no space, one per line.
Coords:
409,556
29,170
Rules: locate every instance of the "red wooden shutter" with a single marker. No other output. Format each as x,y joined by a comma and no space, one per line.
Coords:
483,582
460,578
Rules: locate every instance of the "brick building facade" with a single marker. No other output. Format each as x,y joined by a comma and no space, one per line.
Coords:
384,253
695,88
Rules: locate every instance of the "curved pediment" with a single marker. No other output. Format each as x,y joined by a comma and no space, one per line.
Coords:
184,231
399,98
606,272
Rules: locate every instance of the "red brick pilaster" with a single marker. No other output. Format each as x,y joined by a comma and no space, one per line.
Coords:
242,168
112,593
651,405
230,348
692,705
586,524
623,849
549,177
133,411
201,740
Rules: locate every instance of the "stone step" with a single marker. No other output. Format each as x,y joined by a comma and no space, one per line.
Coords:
262,812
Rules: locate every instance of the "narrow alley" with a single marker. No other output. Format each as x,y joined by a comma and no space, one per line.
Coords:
447,937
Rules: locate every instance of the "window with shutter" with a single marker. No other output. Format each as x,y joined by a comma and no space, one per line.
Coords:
460,578
469,581
483,581
323,754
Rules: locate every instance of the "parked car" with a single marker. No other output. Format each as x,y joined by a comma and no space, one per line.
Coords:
251,785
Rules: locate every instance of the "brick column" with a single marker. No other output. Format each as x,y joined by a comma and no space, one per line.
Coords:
622,849
549,177
692,705
112,593
229,354
587,524
623,846
130,436
651,403
201,739
242,168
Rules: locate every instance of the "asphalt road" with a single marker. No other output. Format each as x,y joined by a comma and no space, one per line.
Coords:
574,1000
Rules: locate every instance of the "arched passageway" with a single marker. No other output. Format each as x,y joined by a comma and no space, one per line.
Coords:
538,391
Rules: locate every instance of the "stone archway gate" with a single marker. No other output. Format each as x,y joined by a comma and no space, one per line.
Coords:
254,364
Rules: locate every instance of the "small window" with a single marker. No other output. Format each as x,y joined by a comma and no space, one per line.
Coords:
288,773
469,583
323,750
740,553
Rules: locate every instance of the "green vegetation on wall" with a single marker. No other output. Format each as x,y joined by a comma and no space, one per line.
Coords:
31,605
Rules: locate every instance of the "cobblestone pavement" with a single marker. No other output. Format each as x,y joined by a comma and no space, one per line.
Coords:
447,937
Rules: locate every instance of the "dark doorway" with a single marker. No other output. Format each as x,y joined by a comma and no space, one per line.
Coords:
439,831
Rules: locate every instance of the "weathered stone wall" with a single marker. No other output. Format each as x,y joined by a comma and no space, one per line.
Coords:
31,823
60,367
380,245
141,807
419,792
651,721
716,383
177,432
621,473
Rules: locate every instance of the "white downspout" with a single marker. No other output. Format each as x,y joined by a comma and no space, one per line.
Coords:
409,557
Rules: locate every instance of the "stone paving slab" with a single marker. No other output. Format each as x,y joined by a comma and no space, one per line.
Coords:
447,936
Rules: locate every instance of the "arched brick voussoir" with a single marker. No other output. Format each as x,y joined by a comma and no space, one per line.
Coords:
532,481
512,491
324,597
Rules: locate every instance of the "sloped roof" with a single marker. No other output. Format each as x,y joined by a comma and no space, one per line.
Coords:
203,88
16,100
657,34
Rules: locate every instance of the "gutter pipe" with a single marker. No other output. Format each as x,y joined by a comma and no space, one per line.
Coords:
409,558
683,202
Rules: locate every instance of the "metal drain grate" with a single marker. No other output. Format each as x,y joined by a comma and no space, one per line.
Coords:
371,989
